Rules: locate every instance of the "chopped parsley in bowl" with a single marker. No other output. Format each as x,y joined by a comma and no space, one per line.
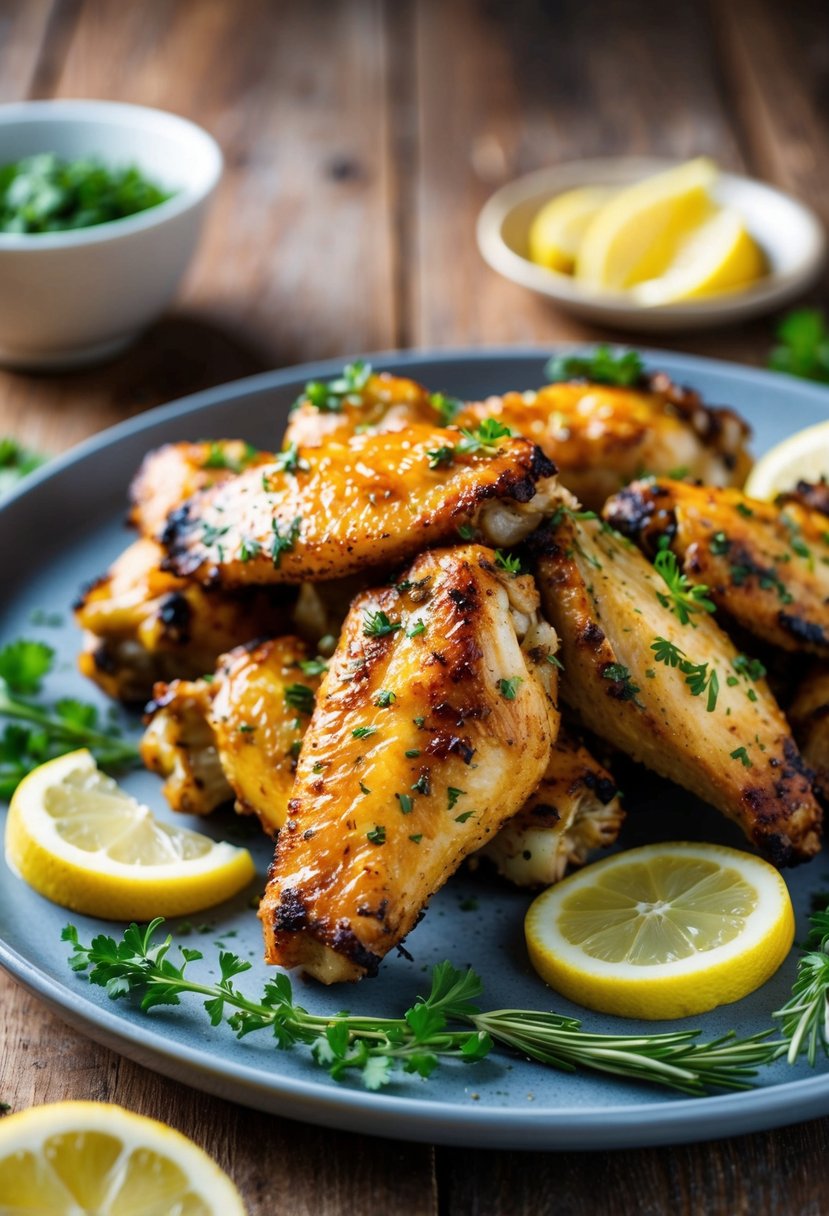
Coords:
44,193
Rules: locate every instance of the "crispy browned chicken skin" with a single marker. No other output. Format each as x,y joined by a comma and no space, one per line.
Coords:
142,624
385,402
766,566
433,725
170,474
372,500
237,735
733,749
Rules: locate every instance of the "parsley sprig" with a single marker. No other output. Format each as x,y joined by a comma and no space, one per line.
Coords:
683,598
700,677
330,395
445,1024
600,366
38,732
484,441
803,345
15,463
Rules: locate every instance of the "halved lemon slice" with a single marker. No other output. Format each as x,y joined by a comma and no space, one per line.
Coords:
803,456
71,1158
663,931
557,230
636,236
83,842
719,255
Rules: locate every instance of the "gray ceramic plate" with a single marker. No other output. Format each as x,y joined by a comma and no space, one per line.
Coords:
66,525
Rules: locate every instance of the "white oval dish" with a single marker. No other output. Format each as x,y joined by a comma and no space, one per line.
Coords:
75,297
791,235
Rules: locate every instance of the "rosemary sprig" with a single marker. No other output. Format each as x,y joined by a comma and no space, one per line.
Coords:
804,1019
444,1024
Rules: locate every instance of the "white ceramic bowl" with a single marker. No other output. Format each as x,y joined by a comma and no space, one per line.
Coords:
72,298
791,236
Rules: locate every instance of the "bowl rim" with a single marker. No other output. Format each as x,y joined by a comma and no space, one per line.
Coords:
117,114
772,289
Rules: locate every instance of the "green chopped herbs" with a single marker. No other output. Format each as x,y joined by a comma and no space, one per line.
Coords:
364,788
453,795
300,697
283,542
377,835
329,395
619,675
484,441
364,732
313,667
44,193
406,803
422,785
445,407
683,597
412,753
700,677
441,457
444,1024
417,629
220,456
384,699
378,625
507,562
741,754
803,345
600,366
16,462
38,731
290,461
466,532
509,688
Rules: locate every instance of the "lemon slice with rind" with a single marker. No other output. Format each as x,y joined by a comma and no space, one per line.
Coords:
75,836
719,255
72,1158
637,235
664,931
557,230
803,456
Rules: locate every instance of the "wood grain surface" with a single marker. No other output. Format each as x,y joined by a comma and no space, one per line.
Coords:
361,138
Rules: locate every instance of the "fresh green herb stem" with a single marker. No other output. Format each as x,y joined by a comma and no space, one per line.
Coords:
444,1024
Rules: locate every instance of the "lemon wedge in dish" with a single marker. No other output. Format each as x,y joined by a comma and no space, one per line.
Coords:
803,456
638,234
76,837
67,1158
558,229
664,931
719,255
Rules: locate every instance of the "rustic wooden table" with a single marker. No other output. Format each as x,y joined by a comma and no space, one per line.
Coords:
361,137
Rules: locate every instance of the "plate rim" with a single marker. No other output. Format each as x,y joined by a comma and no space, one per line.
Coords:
406,1116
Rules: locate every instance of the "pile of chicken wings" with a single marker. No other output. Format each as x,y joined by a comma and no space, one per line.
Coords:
420,630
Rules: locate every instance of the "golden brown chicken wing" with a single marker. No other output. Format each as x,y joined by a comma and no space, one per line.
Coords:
142,624
676,696
170,474
575,810
433,725
373,500
766,566
358,400
237,735
808,714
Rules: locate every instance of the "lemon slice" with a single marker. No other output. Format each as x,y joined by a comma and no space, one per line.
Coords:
557,230
83,842
719,255
73,1158
637,235
803,456
664,931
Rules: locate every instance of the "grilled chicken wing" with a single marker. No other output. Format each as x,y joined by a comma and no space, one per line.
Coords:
237,735
371,501
143,625
574,810
170,474
676,697
381,402
808,714
601,437
766,566
433,725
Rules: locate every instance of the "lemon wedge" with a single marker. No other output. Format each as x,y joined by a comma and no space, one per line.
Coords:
557,230
637,235
803,456
664,931
70,1158
717,256
83,842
